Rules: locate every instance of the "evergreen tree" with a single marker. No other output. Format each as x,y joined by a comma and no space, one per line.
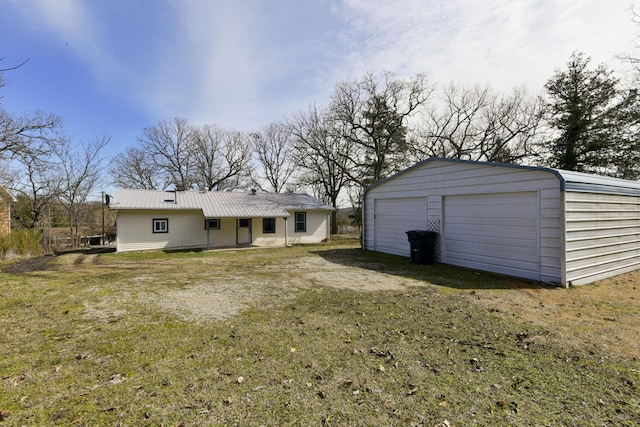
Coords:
595,120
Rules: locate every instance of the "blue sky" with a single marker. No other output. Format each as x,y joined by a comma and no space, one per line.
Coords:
117,66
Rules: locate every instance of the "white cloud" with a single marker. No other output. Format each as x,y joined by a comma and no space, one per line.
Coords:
242,64
504,43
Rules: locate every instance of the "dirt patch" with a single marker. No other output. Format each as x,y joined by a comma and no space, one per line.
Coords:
363,277
32,264
202,299
43,262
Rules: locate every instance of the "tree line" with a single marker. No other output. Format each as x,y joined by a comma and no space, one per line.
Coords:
372,127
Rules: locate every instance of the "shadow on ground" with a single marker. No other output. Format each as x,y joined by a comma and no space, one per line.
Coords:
436,273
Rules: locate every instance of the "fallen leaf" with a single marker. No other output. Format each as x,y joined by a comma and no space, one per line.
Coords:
240,380
381,368
116,379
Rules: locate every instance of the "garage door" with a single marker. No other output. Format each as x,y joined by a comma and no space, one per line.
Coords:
492,232
393,218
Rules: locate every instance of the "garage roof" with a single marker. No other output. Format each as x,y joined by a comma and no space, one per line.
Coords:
217,204
576,181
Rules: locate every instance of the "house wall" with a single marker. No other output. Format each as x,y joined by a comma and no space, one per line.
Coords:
317,230
134,230
602,235
437,181
186,230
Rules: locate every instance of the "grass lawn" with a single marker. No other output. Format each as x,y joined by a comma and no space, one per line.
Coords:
323,335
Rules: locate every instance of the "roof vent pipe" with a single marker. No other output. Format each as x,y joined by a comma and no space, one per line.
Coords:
253,191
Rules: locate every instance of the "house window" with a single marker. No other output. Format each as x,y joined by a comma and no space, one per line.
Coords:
212,224
301,222
268,225
160,225
243,222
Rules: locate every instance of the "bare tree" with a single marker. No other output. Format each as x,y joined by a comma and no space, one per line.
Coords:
173,152
32,179
373,114
169,145
322,155
135,169
19,132
221,158
476,123
272,148
80,170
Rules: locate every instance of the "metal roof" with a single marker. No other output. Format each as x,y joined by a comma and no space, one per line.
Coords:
216,204
575,181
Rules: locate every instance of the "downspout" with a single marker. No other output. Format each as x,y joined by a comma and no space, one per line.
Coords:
208,238
286,235
329,224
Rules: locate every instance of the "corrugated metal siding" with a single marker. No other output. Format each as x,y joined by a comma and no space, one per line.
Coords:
390,234
495,232
438,178
602,235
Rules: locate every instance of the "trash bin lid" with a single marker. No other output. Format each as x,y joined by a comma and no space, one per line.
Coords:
420,233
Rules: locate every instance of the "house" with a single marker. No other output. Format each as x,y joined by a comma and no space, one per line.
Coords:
155,219
6,200
537,223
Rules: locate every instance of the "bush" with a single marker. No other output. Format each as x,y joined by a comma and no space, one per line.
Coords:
22,242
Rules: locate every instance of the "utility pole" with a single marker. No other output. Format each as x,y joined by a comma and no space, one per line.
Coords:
102,201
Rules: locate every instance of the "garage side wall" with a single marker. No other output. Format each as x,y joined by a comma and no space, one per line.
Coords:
437,182
603,235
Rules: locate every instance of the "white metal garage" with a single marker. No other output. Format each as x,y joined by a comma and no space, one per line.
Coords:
496,231
387,228
538,223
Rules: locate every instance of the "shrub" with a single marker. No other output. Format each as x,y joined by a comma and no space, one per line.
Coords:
23,242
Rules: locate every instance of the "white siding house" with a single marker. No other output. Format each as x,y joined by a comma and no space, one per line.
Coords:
537,223
151,219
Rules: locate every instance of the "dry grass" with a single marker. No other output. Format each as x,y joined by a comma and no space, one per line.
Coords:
313,335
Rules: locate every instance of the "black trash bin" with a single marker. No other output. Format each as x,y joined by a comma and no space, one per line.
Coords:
422,244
